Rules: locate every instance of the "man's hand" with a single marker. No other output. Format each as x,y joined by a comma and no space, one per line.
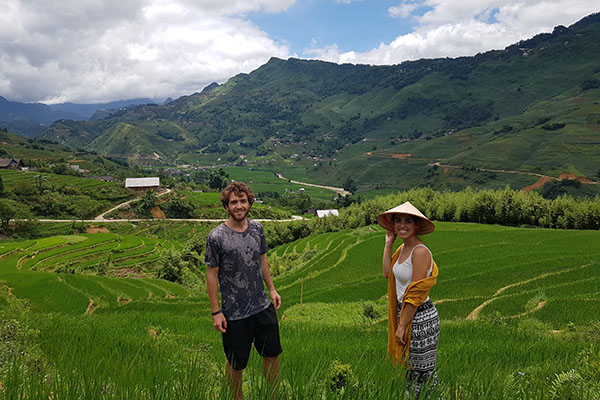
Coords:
276,298
219,322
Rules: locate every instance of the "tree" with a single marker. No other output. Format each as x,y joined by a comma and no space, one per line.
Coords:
179,207
1,185
147,202
8,210
170,266
39,182
218,179
11,209
349,185
83,209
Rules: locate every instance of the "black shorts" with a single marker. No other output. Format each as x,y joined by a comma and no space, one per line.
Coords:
261,329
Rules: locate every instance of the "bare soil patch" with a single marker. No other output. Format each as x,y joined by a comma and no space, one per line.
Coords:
158,213
569,175
540,182
91,307
540,305
96,229
566,175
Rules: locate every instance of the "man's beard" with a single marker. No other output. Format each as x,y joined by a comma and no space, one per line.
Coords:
243,217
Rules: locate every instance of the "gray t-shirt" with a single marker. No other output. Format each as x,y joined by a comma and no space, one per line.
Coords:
237,254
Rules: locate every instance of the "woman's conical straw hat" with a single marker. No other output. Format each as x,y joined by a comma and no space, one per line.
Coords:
384,219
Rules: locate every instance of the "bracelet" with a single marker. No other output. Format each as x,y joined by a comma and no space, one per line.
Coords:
216,312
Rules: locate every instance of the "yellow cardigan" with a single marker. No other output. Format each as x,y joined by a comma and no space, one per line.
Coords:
416,293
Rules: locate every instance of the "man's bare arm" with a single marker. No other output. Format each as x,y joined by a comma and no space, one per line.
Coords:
266,272
212,287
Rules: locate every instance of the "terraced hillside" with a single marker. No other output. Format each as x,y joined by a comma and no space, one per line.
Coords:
60,273
49,195
484,270
519,307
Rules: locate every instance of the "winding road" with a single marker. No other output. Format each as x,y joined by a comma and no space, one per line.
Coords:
101,217
338,190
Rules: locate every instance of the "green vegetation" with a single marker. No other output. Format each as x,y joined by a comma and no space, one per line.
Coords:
55,157
504,207
488,120
519,306
59,196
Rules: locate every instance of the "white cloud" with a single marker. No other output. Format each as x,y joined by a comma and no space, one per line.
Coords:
403,10
450,28
101,50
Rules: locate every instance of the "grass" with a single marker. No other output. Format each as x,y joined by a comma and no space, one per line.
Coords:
149,338
265,180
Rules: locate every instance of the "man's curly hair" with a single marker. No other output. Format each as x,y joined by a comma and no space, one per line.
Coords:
237,188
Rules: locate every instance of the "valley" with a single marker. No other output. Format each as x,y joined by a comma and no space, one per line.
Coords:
103,287
531,107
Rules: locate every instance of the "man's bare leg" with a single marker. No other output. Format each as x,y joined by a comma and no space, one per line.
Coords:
234,377
271,370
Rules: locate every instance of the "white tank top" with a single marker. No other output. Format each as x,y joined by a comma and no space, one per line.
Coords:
403,273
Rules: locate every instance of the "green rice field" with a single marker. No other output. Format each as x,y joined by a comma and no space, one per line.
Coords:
265,181
520,312
12,178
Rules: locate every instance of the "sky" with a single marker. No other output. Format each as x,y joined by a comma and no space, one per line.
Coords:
91,51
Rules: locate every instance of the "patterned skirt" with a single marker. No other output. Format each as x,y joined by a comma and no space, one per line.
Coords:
423,348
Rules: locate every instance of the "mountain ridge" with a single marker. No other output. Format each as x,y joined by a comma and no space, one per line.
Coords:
29,119
323,118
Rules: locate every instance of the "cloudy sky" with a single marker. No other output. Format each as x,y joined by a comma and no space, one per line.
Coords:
89,51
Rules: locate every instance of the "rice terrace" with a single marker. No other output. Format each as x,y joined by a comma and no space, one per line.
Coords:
87,318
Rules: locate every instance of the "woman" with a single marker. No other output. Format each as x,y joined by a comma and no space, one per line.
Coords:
414,324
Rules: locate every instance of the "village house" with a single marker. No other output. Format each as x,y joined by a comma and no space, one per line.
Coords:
78,169
11,163
326,213
141,185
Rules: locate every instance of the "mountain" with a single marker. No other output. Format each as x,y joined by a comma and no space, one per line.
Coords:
29,119
86,111
532,108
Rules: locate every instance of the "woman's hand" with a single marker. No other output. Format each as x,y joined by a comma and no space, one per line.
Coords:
400,334
390,238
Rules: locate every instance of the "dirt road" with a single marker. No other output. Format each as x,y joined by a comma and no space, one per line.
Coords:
338,190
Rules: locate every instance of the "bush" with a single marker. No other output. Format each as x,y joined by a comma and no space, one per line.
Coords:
170,266
17,339
369,311
340,377
504,207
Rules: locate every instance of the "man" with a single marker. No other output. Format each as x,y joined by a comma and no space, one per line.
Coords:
236,262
